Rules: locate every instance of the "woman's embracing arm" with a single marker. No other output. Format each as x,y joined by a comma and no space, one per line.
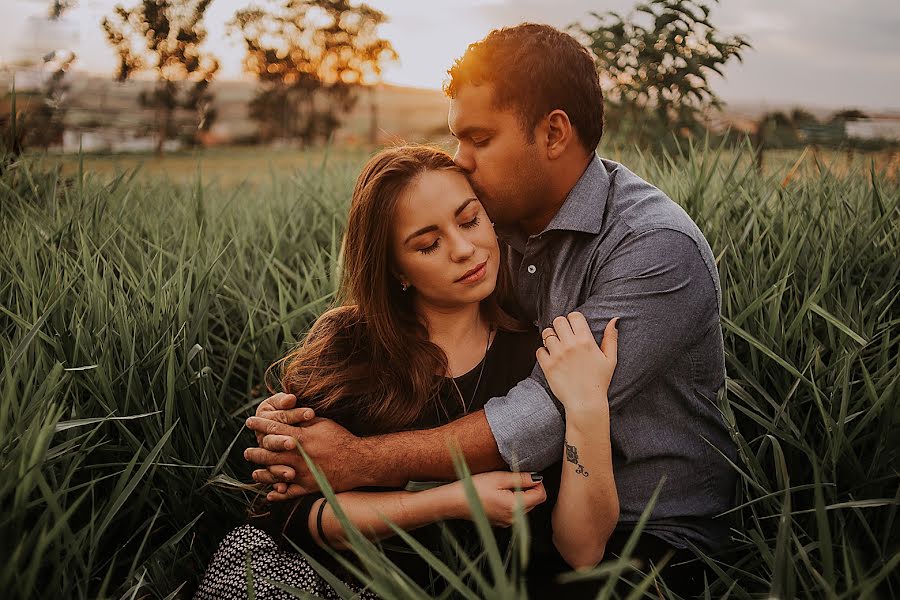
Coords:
370,512
579,373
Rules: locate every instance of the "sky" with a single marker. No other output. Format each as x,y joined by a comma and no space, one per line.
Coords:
836,53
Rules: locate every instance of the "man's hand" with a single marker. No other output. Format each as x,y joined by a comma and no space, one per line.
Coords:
279,403
339,454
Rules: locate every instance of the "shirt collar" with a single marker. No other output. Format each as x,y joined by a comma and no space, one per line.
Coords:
582,210
586,203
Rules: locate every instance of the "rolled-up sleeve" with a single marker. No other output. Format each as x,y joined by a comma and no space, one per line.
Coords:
527,425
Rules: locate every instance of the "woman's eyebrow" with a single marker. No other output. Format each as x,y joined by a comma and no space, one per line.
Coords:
431,228
463,206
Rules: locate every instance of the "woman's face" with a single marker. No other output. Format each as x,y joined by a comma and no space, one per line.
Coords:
444,244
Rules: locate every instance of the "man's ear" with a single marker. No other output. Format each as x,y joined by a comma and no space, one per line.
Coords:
560,133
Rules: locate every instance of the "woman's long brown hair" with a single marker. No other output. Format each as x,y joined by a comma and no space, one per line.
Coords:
368,363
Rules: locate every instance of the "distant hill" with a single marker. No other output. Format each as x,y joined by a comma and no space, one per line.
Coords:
403,113
410,114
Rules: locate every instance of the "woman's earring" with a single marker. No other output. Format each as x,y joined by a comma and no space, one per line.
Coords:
404,286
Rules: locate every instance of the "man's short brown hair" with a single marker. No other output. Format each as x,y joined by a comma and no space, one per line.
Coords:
534,70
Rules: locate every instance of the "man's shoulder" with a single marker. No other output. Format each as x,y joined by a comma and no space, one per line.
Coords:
650,223
640,206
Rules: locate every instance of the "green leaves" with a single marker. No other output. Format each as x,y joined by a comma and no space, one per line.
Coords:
655,65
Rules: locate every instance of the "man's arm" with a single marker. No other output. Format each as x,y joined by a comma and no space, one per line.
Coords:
350,462
427,455
659,286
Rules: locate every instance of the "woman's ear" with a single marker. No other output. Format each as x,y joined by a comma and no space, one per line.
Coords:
401,278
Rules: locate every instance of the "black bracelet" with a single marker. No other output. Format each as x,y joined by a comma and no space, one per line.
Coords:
319,521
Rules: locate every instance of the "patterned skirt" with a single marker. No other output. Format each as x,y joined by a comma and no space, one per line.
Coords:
226,575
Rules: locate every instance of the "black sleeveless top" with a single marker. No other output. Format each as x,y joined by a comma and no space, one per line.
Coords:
509,360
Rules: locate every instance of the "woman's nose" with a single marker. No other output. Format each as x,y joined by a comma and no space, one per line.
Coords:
461,248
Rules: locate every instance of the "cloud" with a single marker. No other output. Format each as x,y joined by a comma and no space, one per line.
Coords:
804,51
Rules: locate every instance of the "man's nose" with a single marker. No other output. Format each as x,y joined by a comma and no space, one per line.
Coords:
463,160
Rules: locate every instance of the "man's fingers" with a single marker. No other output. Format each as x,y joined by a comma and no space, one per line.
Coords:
279,443
281,487
282,472
285,401
261,456
269,427
279,401
293,491
292,416
610,343
264,476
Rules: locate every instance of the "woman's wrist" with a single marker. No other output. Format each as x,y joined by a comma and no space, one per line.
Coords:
585,416
447,501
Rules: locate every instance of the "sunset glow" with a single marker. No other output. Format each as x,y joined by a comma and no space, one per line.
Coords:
427,41
790,62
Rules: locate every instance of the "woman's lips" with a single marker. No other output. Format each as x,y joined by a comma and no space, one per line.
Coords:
475,275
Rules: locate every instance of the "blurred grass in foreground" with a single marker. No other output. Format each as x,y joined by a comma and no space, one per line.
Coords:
139,313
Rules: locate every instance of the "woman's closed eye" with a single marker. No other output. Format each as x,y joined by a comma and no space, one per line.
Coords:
431,248
436,244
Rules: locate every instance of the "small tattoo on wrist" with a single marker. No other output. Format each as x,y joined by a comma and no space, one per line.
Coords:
572,457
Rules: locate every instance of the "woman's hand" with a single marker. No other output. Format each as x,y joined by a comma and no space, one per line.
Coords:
499,495
578,371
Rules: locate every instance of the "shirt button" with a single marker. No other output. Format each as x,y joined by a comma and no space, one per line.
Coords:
532,269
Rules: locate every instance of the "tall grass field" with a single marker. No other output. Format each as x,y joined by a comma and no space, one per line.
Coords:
138,315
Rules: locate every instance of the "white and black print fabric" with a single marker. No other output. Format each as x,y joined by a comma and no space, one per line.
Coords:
226,577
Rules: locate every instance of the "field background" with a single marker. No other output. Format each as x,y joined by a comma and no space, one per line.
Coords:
140,307
255,165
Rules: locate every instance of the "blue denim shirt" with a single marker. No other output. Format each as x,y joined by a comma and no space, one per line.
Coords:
619,247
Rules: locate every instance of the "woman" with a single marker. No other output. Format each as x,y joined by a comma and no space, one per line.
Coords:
422,337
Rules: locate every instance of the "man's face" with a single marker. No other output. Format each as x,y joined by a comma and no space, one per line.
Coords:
505,170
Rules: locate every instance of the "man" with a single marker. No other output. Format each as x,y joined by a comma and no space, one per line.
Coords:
584,234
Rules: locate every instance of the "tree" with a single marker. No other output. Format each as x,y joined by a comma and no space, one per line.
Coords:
47,120
655,65
165,36
311,58
40,109
774,130
848,114
58,7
